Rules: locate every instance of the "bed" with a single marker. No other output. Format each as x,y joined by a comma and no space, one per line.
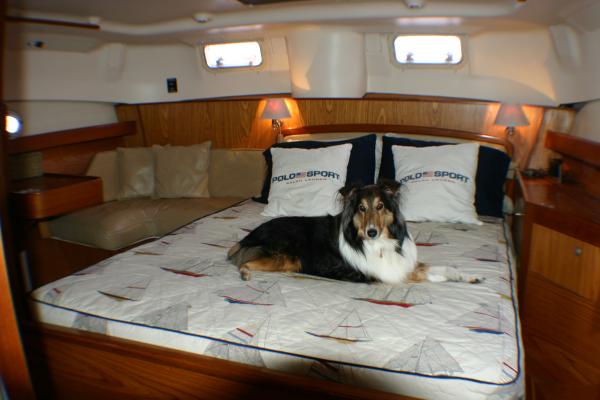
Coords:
172,318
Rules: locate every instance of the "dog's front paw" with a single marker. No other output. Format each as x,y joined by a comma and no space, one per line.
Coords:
473,279
245,273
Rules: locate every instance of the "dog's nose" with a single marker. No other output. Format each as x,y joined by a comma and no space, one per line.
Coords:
371,232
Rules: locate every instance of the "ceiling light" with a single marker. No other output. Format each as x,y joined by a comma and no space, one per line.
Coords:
414,4
202,18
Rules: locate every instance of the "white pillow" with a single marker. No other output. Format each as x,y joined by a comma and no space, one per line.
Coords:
305,182
438,182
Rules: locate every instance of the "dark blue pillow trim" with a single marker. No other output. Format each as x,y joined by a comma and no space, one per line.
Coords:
492,167
361,166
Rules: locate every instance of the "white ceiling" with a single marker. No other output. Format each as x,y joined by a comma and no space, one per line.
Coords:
173,19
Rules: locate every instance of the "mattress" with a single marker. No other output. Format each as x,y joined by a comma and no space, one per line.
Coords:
429,340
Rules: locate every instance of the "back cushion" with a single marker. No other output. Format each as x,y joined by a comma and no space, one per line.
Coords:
182,171
136,172
361,167
492,167
236,173
104,166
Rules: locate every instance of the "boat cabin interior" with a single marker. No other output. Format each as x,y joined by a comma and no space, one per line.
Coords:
143,139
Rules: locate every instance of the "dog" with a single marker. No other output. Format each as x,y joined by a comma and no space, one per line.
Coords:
367,242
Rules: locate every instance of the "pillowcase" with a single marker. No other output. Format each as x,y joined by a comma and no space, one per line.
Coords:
136,172
438,182
104,166
361,167
181,171
492,167
306,182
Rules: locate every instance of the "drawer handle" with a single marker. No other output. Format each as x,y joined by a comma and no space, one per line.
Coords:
578,251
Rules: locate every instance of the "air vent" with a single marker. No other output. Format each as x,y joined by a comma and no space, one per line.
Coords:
263,2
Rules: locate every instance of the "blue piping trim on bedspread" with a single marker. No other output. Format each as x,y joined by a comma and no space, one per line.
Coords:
512,290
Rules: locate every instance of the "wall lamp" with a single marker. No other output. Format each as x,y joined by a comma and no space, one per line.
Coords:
276,110
511,116
12,124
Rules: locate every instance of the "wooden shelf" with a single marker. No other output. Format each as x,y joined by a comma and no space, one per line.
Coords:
567,207
54,194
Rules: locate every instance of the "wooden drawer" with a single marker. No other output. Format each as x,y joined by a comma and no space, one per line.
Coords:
570,263
561,333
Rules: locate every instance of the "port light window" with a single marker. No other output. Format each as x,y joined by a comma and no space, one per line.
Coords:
233,55
428,49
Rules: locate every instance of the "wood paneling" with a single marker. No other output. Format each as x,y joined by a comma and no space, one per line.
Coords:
70,136
74,159
236,122
406,129
578,148
70,151
566,261
93,366
555,119
13,364
581,160
14,371
556,318
561,337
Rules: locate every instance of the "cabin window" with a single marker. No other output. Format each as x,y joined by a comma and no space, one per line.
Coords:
427,49
233,55
12,124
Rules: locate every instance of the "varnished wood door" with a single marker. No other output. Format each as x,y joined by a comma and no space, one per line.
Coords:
13,364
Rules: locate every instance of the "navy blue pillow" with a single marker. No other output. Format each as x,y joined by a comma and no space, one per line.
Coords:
492,166
361,166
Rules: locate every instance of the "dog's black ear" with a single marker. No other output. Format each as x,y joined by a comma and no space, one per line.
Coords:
389,185
349,190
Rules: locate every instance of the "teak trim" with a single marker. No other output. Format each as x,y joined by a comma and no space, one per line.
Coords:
66,352
71,136
408,129
581,149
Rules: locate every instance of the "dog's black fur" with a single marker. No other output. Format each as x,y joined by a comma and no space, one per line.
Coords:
311,244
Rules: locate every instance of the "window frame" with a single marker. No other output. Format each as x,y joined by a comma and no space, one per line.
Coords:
260,43
461,39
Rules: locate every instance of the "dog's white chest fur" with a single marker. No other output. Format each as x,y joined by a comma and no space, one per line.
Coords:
380,260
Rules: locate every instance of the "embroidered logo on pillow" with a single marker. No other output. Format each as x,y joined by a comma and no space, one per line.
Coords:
306,182
438,182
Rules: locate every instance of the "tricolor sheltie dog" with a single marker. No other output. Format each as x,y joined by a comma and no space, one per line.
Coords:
368,241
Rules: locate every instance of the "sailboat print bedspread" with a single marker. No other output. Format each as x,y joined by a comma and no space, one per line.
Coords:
428,340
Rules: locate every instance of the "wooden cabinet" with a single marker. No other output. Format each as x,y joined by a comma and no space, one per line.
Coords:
54,194
559,280
566,261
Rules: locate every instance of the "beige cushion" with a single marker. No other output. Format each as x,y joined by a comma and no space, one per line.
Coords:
238,172
104,166
119,224
181,171
136,172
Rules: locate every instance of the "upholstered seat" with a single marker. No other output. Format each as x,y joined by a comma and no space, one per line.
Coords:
233,175
117,224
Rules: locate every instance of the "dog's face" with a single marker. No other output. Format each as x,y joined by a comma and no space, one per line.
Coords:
373,208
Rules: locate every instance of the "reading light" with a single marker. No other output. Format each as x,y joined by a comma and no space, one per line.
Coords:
511,115
12,124
275,110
